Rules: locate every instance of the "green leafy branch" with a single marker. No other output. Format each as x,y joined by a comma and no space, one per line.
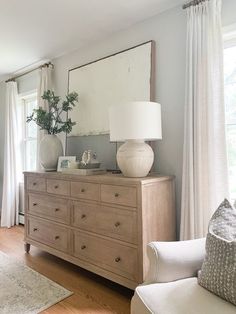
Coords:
51,120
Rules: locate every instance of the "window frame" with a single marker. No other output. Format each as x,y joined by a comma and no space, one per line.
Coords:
23,99
229,36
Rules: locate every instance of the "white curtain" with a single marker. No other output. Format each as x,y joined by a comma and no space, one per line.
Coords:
205,180
12,158
45,83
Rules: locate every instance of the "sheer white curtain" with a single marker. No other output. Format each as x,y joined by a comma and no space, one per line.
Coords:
45,83
12,158
205,180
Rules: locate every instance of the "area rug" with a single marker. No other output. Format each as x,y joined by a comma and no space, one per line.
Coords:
24,291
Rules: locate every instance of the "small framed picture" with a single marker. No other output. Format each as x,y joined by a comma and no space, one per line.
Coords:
64,162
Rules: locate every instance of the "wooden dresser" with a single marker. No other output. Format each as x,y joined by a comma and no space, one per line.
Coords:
101,223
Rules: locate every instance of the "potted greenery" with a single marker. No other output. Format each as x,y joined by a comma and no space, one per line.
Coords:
52,121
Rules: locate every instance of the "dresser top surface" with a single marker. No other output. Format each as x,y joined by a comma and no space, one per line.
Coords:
101,178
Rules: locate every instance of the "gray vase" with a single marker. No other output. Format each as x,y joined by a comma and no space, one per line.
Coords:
50,148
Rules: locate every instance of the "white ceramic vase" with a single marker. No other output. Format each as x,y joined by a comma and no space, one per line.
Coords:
50,148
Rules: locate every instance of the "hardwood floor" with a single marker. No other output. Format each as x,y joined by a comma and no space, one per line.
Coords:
92,294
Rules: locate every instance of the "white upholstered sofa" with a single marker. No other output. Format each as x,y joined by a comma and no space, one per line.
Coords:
171,286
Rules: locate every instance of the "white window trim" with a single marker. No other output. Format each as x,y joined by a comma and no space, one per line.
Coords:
22,97
27,94
229,35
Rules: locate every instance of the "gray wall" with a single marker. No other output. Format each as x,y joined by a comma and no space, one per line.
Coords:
228,12
28,82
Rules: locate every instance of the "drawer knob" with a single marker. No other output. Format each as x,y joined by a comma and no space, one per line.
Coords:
35,204
57,237
118,259
56,186
82,190
57,209
35,229
116,194
83,216
34,183
83,247
117,224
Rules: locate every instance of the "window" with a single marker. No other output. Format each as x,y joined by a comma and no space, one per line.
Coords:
29,134
230,101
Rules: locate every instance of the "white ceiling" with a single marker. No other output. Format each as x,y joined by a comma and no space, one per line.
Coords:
34,30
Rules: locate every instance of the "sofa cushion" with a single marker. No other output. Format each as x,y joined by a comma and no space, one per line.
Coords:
184,296
218,273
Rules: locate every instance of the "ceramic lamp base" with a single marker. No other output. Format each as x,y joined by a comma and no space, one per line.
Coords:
135,158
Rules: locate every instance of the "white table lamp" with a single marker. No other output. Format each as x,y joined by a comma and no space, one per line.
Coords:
134,123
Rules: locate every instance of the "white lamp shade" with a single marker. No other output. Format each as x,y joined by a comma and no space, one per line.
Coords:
139,120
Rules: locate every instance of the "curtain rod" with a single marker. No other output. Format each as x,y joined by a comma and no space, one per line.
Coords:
27,72
193,2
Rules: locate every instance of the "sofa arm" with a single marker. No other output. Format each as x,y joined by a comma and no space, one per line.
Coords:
170,261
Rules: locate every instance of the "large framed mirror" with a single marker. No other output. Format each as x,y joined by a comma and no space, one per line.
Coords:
125,76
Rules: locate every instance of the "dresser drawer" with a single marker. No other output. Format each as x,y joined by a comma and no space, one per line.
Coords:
36,184
57,209
83,190
121,195
112,222
59,187
106,254
49,234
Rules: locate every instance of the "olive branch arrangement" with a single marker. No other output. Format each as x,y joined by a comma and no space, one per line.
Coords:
51,120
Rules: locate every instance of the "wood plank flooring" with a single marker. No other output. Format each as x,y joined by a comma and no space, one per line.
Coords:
92,294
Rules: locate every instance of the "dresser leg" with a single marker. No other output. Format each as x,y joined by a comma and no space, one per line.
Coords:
27,247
